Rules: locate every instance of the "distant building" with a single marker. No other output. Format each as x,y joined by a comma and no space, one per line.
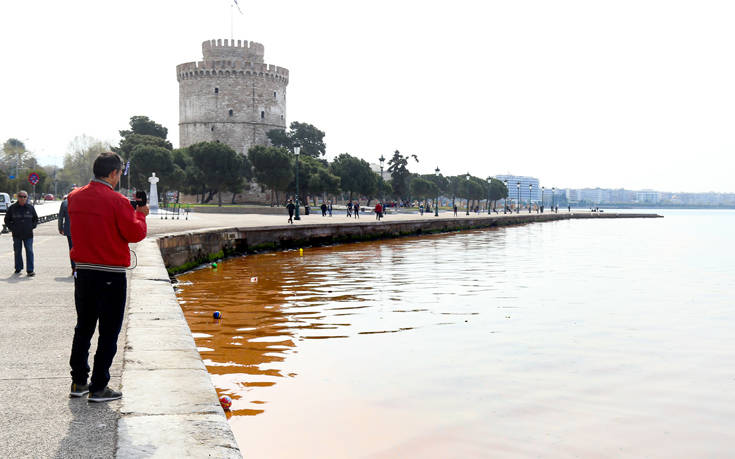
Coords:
648,197
533,194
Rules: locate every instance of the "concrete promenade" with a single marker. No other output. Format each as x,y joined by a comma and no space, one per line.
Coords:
169,407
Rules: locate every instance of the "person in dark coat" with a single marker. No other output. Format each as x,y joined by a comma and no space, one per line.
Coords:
65,227
290,207
21,219
324,209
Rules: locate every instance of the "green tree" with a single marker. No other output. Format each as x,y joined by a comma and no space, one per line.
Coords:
310,138
220,167
17,161
147,136
498,190
324,182
234,183
79,158
315,178
421,188
144,126
355,175
400,175
148,159
4,181
272,168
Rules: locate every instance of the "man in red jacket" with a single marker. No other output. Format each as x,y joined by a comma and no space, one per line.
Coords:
103,222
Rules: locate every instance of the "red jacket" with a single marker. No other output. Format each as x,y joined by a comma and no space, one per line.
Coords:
102,224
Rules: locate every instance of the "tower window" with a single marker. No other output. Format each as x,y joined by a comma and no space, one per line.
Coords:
230,112
274,94
216,90
262,115
212,128
281,117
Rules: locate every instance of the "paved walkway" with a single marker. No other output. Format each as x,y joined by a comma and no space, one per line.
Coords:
37,317
202,221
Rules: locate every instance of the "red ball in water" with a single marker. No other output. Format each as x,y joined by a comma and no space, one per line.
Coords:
226,402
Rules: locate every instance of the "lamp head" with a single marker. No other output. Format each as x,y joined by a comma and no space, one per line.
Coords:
296,150
436,171
382,160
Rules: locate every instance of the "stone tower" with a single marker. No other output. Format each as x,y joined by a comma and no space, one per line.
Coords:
231,96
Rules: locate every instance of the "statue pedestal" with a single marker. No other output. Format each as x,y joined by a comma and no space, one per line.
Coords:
153,194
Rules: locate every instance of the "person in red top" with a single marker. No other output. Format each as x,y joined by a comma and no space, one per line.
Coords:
378,211
103,222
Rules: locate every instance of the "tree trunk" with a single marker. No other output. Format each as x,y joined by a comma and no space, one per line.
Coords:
233,198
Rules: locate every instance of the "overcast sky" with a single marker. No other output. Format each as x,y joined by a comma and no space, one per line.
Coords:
635,94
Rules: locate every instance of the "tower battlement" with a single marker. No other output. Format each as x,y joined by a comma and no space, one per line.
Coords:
219,50
230,68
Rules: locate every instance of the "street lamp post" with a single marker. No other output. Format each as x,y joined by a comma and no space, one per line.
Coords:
518,206
552,198
296,151
489,182
436,204
382,198
530,196
542,199
468,193
505,199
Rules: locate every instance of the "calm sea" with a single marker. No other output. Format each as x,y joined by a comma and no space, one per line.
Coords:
599,338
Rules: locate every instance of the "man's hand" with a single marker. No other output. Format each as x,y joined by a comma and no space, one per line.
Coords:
61,232
143,210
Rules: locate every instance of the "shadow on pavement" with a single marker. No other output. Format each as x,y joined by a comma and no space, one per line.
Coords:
91,432
15,278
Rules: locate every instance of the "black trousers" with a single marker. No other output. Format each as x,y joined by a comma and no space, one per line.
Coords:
99,296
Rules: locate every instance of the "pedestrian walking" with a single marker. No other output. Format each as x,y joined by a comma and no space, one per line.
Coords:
21,219
455,210
329,208
290,207
65,228
103,223
356,209
378,211
421,208
324,209
349,209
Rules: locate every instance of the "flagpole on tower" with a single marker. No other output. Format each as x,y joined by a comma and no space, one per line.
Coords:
232,33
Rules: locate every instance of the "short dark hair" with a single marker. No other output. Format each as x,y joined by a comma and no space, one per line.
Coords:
106,163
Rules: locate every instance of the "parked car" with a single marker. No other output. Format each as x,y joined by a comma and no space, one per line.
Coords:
49,197
4,202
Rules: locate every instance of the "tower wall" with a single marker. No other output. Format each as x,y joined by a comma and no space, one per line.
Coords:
231,96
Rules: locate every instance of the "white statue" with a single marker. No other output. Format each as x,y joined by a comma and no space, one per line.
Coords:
153,193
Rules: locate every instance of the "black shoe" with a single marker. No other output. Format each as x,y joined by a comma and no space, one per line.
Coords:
77,390
31,274
17,271
104,395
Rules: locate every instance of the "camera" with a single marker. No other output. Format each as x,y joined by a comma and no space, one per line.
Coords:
141,199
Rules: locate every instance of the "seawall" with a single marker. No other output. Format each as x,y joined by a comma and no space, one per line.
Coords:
185,250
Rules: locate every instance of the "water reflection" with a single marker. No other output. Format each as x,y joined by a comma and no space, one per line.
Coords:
270,302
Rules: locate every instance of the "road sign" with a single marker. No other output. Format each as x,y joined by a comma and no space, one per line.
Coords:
12,177
33,178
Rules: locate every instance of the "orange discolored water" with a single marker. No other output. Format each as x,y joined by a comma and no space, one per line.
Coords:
575,338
